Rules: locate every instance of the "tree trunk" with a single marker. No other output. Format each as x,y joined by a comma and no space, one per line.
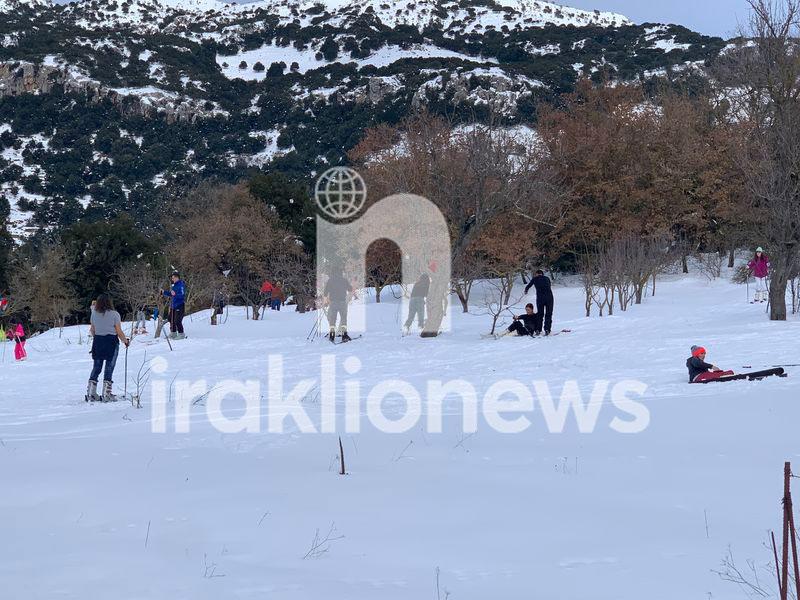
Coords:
684,264
255,312
378,290
731,257
777,296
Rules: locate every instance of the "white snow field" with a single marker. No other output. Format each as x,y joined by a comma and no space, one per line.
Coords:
95,505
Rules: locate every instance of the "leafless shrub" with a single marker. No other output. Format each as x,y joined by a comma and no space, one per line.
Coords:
320,545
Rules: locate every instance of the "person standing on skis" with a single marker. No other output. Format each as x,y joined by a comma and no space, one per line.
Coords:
700,370
16,332
337,294
759,268
544,302
177,295
106,332
524,324
416,304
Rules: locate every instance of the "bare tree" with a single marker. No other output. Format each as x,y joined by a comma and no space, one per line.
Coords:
41,286
137,286
764,71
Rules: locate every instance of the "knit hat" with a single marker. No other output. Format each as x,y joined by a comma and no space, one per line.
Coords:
697,351
759,249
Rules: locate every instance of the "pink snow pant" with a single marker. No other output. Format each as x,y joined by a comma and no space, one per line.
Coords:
19,351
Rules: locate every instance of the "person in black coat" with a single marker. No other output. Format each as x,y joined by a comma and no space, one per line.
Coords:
416,305
524,324
337,294
544,302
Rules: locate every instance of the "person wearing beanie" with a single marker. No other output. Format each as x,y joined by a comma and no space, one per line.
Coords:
759,268
700,370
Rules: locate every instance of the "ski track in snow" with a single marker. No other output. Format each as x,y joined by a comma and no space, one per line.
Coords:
94,505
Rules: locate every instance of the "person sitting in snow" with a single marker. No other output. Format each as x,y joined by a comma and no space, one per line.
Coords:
524,324
759,268
700,370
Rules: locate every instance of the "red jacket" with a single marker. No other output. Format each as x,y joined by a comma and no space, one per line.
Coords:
266,287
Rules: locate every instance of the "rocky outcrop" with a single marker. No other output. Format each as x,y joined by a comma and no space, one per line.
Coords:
17,78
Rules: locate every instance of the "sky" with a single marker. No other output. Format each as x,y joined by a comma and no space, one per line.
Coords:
713,17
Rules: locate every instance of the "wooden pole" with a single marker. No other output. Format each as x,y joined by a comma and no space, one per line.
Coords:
793,533
787,473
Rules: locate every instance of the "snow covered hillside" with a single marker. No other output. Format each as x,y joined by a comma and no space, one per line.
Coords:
96,505
196,81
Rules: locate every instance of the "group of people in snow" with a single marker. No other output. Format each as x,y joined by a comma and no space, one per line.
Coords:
536,321
272,295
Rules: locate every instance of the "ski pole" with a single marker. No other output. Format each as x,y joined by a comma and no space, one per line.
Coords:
125,392
166,337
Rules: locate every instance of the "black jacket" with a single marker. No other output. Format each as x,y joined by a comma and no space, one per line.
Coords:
542,285
528,321
696,367
104,347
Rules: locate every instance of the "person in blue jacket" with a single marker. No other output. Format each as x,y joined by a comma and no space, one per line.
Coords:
177,293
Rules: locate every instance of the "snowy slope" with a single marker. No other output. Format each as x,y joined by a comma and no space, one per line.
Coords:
96,505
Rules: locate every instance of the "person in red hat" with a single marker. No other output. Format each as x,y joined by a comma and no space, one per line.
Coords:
700,370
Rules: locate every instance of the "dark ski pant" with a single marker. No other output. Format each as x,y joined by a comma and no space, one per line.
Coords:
337,310
176,319
416,308
98,366
276,304
544,314
519,328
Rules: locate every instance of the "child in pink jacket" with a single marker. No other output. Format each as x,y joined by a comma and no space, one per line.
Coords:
17,333
759,268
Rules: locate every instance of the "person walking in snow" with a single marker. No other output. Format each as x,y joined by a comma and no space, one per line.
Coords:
416,304
266,295
337,293
217,305
177,295
700,370
277,296
106,332
524,324
759,268
544,302
16,332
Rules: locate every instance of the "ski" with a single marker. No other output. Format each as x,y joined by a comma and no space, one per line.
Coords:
752,376
339,341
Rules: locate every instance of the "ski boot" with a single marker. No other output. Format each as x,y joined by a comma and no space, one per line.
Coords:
108,396
180,336
345,337
332,336
91,392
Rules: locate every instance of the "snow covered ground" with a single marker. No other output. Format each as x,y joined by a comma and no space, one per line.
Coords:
96,505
